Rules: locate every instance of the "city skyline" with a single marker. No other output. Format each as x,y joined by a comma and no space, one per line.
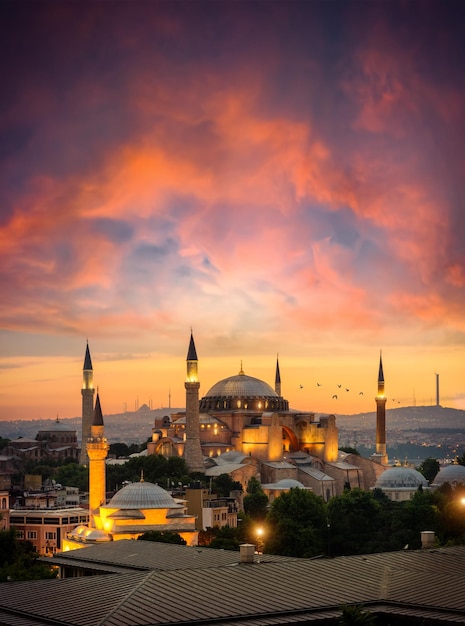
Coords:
281,177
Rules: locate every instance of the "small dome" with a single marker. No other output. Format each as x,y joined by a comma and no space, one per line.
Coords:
142,495
241,386
450,474
286,483
92,535
56,427
401,478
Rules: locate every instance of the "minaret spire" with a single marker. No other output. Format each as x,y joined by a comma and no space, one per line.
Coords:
87,393
277,378
192,449
381,453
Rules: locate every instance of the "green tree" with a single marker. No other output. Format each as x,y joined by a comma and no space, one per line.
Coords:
356,523
18,561
226,538
224,484
354,615
73,475
162,536
296,524
429,468
349,450
256,501
118,449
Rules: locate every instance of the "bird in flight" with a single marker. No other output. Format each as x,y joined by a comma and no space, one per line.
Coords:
347,389
301,386
360,393
339,386
318,385
335,396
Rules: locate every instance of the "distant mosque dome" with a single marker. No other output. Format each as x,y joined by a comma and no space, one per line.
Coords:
56,427
452,474
242,392
401,479
142,495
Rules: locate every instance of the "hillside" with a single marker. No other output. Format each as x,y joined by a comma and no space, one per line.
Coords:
136,426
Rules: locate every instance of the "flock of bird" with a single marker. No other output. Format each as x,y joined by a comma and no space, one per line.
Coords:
335,396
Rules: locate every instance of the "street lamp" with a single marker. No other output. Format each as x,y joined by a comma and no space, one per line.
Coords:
259,540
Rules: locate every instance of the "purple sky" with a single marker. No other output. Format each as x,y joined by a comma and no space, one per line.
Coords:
282,176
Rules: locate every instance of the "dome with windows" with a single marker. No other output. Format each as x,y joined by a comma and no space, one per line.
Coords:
244,393
400,478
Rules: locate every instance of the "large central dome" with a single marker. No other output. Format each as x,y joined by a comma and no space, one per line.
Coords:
241,386
241,392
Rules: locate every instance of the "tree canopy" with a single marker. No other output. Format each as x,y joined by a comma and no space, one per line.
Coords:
296,524
18,561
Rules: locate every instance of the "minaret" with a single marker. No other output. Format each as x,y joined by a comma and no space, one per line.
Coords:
97,451
381,417
87,392
277,379
192,450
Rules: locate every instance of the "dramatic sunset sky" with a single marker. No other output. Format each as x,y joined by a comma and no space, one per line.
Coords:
281,176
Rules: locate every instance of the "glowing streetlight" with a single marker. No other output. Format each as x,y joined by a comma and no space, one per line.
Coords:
259,532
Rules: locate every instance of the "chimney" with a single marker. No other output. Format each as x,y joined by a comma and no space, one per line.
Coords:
247,551
427,539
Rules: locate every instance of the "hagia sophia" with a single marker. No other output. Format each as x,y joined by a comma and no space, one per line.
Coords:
242,427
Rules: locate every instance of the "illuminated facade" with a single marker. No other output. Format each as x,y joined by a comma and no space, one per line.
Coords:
245,414
132,511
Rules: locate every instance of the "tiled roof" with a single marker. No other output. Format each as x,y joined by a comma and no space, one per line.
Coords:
424,584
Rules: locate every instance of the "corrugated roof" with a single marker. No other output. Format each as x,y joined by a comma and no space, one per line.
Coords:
422,583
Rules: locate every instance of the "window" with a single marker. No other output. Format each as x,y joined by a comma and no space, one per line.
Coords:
32,534
50,535
20,534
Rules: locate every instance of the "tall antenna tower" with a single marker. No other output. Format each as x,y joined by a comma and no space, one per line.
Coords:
437,390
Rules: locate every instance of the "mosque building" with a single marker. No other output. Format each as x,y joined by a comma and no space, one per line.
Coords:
133,510
242,427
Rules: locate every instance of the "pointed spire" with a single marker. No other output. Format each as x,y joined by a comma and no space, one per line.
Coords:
380,373
98,417
277,379
192,352
87,359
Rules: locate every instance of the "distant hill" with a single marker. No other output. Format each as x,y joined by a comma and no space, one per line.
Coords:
129,427
408,418
136,426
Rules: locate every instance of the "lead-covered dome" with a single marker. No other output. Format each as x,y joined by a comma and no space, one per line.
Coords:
242,393
400,478
143,495
241,386
452,474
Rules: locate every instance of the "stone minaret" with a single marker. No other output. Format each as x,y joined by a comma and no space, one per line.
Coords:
97,451
381,417
192,449
277,379
87,392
